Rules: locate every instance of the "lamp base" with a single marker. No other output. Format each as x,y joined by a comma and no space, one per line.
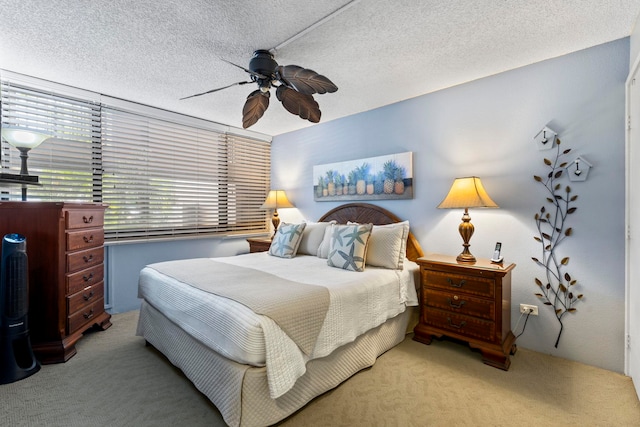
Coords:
466,231
275,220
466,257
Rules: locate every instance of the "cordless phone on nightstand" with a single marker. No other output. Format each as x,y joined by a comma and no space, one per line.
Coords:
497,257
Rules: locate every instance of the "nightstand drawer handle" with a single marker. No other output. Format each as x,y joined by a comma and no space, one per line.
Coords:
456,285
87,278
87,258
88,297
87,220
87,239
456,305
88,315
453,325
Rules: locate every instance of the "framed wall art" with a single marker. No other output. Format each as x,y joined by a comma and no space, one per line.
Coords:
371,178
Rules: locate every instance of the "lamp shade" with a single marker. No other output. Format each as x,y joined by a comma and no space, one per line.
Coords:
277,199
467,193
22,137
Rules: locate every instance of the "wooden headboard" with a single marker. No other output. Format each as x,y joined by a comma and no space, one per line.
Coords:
366,213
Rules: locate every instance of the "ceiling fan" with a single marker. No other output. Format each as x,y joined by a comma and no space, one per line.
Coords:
295,88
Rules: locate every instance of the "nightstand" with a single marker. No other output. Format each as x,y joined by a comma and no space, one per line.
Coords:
469,302
258,244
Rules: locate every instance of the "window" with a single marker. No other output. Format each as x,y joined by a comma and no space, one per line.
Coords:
65,164
162,174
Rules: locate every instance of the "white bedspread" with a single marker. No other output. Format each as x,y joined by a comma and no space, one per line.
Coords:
358,302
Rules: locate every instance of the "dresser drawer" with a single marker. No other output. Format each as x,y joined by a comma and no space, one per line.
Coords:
85,315
84,259
84,218
460,303
84,239
459,283
88,277
460,324
85,297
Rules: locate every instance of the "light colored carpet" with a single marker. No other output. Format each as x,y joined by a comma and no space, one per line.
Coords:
115,380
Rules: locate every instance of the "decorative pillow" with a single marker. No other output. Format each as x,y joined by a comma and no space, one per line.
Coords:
312,237
348,246
323,249
388,245
287,239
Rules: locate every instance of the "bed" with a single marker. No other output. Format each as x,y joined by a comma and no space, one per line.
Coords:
257,370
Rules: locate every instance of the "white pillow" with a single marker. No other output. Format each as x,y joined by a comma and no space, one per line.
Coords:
388,245
323,249
348,246
312,237
286,241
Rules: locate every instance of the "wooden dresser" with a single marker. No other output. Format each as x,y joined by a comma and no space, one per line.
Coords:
469,302
65,256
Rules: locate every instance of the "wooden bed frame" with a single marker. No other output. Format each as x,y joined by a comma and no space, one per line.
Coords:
365,213
241,392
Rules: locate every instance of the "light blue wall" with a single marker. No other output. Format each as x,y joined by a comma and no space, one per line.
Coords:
124,262
486,128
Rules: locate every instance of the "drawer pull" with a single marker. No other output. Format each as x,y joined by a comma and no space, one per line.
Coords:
88,258
459,305
456,285
87,239
453,325
88,297
88,278
88,315
87,220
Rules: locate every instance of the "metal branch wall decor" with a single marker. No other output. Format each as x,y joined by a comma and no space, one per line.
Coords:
557,286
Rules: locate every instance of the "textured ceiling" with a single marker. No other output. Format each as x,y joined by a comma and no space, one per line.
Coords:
376,51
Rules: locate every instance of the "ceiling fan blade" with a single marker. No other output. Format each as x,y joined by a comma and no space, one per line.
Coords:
300,104
304,80
253,73
215,90
254,108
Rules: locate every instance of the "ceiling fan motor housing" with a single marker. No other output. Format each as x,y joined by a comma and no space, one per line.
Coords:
263,63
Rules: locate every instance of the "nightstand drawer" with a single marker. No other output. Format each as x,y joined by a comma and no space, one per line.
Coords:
459,283
460,303
461,324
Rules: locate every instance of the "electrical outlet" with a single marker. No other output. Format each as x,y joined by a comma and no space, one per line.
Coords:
525,308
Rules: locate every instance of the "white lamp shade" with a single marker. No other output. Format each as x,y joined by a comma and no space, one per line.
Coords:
22,137
467,193
277,199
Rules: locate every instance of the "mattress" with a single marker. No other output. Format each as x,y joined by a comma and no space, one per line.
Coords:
358,302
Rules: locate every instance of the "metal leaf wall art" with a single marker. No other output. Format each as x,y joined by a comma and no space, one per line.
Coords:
557,286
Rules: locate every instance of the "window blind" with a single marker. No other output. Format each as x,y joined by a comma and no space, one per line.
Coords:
68,163
162,178
162,174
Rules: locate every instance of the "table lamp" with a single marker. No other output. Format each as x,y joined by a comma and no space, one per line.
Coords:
467,193
276,199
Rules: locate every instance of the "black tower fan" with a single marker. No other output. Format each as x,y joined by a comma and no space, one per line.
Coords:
16,357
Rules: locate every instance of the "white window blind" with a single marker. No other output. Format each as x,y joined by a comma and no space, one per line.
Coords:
162,174
162,178
66,164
